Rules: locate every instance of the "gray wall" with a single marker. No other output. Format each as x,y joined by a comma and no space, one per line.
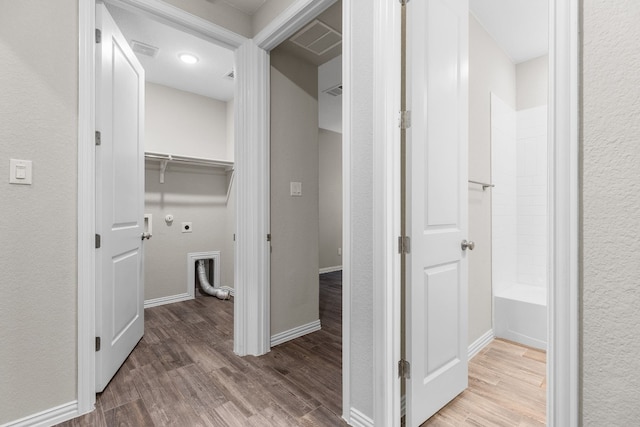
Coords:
38,231
330,195
611,213
490,70
183,123
294,220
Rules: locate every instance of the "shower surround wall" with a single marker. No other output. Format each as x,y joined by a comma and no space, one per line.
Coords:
519,220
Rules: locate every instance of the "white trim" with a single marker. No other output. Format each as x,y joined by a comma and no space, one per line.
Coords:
563,341
330,269
347,95
86,207
358,419
294,17
167,300
477,346
386,212
294,333
252,250
183,20
49,417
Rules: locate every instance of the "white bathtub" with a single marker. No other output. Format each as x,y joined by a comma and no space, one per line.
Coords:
520,314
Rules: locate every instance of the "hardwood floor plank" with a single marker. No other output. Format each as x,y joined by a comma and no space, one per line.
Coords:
184,373
130,414
506,388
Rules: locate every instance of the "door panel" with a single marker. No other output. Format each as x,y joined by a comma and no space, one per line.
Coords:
436,313
119,199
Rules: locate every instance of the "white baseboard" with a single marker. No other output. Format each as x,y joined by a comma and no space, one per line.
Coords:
295,333
330,269
481,343
358,419
48,417
167,300
180,297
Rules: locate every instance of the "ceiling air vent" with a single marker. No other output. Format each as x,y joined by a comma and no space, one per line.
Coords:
334,91
317,37
144,49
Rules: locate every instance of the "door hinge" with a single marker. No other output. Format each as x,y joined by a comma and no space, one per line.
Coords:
269,237
98,138
405,120
97,343
234,237
98,36
404,244
98,239
404,369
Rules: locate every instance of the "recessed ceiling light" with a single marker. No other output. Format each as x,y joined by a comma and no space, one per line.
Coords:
188,58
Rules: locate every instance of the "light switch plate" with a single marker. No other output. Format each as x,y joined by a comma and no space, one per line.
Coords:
20,172
296,188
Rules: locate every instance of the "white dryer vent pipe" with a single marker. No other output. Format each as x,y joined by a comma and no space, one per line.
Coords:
206,286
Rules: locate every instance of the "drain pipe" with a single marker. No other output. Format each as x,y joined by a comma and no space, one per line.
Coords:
206,286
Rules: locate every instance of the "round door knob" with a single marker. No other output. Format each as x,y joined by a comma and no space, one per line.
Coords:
467,245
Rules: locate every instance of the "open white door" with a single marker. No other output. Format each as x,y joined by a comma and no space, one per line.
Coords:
119,199
436,305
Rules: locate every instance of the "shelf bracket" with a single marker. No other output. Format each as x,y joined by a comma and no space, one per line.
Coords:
163,168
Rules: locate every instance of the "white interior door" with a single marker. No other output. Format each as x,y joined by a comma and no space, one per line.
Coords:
436,305
120,199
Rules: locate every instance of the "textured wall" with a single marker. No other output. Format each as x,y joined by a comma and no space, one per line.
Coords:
38,231
611,213
294,220
330,195
361,205
490,70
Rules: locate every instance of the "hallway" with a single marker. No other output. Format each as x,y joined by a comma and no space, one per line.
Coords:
184,373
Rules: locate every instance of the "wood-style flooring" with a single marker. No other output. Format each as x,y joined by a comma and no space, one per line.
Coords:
507,387
184,372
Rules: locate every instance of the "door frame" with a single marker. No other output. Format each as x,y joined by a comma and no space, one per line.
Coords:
86,164
563,393
251,318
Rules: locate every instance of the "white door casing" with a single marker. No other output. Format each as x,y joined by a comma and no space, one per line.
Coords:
436,304
119,199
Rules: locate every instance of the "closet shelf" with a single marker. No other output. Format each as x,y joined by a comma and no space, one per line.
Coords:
165,159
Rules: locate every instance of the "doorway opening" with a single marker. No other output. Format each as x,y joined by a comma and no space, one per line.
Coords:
306,187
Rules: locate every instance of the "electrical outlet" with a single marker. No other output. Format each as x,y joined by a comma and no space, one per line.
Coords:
187,227
339,251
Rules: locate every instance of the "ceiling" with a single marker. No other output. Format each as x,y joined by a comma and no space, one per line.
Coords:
332,17
207,77
520,27
248,7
